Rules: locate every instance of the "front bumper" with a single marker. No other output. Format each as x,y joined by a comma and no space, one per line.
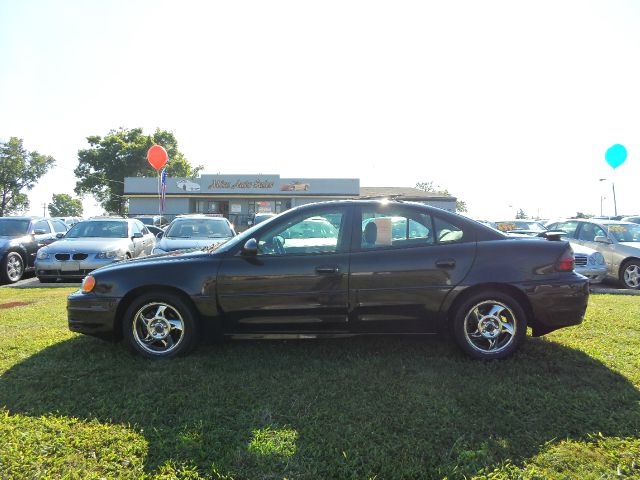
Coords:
595,274
52,268
92,315
557,304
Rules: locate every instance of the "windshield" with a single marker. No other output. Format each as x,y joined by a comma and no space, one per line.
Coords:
100,229
11,227
199,228
623,232
520,225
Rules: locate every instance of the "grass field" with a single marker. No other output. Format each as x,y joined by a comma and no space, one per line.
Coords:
567,406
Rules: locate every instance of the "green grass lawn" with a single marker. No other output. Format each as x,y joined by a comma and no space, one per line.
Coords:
567,406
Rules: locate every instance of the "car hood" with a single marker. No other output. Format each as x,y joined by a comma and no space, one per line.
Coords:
160,259
87,245
6,241
169,244
577,248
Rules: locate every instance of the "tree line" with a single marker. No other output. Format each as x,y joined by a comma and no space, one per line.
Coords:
101,170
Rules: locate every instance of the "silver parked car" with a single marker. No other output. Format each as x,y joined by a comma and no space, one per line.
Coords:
194,231
92,244
617,241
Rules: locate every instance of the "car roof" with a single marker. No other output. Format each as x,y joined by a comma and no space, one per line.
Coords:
199,216
600,221
24,217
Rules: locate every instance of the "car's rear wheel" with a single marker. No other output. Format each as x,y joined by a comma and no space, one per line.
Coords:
490,325
12,267
630,274
160,325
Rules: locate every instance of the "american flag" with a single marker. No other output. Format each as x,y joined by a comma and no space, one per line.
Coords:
163,188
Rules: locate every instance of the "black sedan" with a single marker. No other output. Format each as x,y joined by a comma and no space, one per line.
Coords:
20,239
378,267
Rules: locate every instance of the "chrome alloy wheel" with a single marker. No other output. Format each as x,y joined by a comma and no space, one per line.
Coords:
15,267
158,328
632,276
490,326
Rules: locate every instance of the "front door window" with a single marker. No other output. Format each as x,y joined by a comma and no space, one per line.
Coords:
306,234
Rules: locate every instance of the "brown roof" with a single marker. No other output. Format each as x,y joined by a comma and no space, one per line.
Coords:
405,192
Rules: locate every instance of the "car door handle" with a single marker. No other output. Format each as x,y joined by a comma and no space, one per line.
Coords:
326,270
447,263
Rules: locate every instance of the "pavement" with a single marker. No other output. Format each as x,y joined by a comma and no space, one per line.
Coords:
30,281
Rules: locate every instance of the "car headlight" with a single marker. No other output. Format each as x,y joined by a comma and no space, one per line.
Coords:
596,259
43,254
109,254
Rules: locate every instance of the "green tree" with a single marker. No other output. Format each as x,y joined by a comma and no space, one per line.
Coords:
521,215
64,205
428,187
19,170
123,153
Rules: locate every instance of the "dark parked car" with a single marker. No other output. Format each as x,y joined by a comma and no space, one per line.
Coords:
20,240
390,267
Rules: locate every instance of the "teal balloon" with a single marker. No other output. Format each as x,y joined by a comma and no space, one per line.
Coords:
616,155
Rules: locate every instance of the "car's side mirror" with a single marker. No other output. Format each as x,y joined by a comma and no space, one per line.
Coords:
601,239
39,231
159,235
59,235
136,235
250,247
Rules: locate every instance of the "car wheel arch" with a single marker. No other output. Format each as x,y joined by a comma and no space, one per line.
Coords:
23,255
511,290
623,266
131,296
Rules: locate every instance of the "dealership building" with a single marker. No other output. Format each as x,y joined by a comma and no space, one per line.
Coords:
237,197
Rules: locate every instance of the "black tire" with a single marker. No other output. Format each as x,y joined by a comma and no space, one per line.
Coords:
11,267
490,325
630,274
160,325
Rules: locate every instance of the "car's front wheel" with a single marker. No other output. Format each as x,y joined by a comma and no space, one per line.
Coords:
159,325
12,267
490,325
630,274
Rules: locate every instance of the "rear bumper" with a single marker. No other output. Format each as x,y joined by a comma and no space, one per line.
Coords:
91,315
557,304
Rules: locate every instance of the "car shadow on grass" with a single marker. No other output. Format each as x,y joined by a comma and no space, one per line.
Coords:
395,407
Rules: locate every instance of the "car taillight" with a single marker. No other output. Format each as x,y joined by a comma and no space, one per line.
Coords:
566,262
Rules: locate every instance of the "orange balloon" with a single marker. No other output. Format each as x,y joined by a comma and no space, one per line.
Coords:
157,157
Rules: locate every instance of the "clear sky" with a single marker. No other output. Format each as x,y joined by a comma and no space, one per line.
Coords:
507,104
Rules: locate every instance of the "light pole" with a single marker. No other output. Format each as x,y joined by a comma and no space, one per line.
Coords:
615,205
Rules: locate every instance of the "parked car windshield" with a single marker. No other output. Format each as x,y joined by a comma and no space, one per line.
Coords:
520,225
13,227
623,232
198,228
99,229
